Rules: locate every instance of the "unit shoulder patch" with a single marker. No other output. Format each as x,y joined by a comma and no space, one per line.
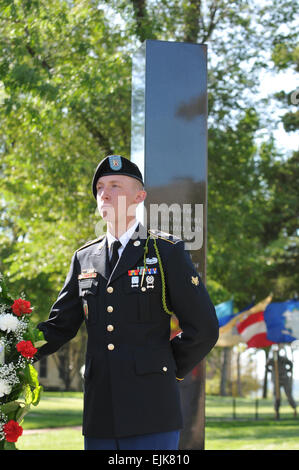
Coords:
91,242
165,236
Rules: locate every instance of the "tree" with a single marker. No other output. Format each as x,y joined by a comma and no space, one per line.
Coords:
281,175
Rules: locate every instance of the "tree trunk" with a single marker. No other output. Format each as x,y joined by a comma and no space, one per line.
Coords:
226,356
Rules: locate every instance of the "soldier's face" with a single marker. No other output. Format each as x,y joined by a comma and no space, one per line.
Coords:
118,197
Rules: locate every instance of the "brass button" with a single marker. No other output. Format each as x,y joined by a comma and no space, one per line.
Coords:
143,289
137,243
110,327
164,369
110,347
110,289
109,309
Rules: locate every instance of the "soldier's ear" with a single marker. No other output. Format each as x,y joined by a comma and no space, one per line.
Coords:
140,196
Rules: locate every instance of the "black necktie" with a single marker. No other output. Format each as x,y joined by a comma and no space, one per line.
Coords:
114,257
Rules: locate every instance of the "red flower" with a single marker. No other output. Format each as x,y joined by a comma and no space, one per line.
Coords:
12,431
26,348
20,307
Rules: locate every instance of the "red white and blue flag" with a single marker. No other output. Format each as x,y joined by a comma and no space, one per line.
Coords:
253,330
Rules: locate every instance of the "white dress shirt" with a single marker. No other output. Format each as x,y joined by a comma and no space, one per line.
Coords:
125,237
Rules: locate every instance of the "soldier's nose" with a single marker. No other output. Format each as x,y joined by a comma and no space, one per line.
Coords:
105,195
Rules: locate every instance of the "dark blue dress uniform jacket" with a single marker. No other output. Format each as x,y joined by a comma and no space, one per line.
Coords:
131,364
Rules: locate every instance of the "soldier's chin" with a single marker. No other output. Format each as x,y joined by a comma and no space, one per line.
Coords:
108,214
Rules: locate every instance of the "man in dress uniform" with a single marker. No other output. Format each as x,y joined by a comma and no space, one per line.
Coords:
125,285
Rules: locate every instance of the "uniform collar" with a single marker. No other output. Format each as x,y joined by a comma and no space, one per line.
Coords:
124,238
131,253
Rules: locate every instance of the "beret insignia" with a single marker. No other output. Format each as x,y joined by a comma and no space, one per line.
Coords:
115,162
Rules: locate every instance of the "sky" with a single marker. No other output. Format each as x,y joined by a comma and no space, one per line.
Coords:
286,81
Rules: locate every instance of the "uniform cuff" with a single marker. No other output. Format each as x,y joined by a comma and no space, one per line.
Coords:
179,378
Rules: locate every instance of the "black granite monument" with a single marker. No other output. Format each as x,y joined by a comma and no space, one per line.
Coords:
169,144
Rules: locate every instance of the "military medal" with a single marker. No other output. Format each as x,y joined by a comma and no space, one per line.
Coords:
134,281
150,282
151,260
141,271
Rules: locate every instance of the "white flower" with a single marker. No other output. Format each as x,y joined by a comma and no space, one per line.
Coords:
5,388
8,322
8,378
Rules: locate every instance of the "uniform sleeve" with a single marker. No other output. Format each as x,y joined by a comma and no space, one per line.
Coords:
65,316
193,308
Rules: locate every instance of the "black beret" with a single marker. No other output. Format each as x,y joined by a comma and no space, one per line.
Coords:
115,164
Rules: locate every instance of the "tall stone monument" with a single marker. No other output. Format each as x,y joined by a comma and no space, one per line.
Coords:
169,144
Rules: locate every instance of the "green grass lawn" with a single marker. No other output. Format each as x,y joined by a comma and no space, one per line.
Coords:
56,410
220,408
252,435
62,439
64,411
229,428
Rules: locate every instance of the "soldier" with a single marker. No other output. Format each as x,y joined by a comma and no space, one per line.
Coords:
281,370
125,286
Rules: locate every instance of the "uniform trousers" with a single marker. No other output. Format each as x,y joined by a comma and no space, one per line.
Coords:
155,441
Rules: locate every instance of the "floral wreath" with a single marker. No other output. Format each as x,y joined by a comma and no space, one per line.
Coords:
19,385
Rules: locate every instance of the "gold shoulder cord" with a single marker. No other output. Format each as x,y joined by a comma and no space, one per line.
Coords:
162,277
161,271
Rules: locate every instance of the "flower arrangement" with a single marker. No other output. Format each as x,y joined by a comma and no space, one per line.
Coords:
19,385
